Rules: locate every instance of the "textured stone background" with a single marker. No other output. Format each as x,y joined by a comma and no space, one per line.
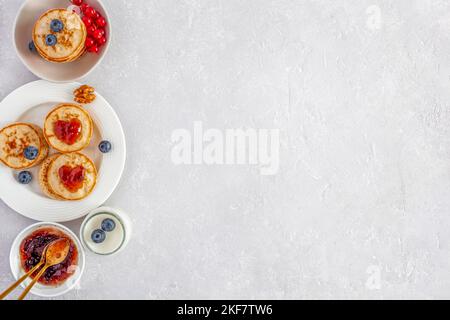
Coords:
363,105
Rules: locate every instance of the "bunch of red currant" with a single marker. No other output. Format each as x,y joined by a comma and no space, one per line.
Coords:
95,25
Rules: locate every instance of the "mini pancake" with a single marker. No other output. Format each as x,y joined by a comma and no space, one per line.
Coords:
68,112
43,178
15,138
54,184
76,54
73,57
70,44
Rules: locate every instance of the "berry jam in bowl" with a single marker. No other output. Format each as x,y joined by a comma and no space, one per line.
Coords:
98,38
27,250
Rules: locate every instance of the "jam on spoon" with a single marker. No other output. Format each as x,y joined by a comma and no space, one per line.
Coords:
72,177
68,131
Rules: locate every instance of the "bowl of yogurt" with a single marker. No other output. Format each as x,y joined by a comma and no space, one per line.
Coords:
105,231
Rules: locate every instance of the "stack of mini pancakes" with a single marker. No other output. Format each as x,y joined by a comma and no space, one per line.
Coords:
15,138
50,176
70,40
65,175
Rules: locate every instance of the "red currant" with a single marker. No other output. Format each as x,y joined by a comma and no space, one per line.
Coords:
77,2
90,12
101,41
97,15
87,21
98,34
103,31
93,49
84,7
91,30
100,22
89,42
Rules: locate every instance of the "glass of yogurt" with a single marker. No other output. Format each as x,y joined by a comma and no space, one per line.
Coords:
105,231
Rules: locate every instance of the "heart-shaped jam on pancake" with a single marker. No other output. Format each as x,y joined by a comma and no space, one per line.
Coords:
68,131
72,177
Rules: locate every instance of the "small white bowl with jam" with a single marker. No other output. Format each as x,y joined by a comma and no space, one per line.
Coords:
26,252
105,231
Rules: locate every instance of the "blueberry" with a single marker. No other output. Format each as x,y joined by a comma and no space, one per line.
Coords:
24,177
51,40
31,153
56,25
105,146
108,225
98,236
31,46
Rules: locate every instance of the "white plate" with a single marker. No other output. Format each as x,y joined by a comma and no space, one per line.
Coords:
31,103
28,13
39,289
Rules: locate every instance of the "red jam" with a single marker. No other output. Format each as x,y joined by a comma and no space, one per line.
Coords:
31,250
68,131
72,177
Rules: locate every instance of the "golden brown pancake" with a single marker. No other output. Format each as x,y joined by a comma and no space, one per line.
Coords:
52,183
43,178
15,138
68,112
71,39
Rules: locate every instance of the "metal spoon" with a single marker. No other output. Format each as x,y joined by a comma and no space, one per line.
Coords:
29,273
55,254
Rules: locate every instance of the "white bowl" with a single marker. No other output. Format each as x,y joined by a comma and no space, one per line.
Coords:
39,289
29,12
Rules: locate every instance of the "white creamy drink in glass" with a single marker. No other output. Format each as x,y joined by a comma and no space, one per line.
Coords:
105,231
